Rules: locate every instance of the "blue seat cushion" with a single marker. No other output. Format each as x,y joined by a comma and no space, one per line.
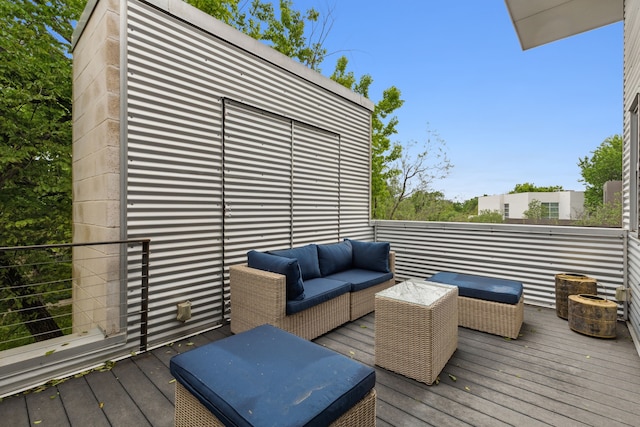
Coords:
482,287
269,377
334,257
317,291
361,279
276,264
371,255
307,257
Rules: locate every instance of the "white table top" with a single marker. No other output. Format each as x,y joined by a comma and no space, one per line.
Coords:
417,291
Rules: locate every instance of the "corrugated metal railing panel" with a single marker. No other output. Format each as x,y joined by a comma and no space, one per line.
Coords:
316,185
174,171
530,254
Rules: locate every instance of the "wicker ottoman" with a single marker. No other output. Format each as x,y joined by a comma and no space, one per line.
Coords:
416,328
487,304
266,376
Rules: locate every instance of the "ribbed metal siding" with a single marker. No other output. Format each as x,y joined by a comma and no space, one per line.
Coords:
204,202
174,176
530,254
316,185
257,181
631,84
633,277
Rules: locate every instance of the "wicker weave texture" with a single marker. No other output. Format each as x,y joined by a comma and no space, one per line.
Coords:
416,340
259,297
492,317
363,302
190,412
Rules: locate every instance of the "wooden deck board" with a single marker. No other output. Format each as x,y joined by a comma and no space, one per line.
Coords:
550,375
80,403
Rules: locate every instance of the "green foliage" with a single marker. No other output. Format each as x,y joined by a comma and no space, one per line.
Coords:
605,215
532,188
488,216
604,165
536,210
35,129
293,33
383,126
35,157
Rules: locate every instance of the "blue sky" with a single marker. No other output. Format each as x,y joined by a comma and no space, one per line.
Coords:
507,116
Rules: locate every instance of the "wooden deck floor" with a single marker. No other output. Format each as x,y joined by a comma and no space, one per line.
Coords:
549,376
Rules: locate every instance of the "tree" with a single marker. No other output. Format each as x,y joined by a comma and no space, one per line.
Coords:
287,33
418,171
35,146
532,188
383,126
605,215
604,165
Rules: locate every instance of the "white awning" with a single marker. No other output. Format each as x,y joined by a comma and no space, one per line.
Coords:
542,21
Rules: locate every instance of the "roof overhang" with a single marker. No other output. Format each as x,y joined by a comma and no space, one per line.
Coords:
542,21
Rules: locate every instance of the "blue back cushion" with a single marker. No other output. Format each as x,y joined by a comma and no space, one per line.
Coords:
334,258
307,257
266,376
277,264
372,256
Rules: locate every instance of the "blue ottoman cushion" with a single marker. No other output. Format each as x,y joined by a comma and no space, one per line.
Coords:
269,377
482,287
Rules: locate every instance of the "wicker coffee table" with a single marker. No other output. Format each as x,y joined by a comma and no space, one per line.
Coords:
416,328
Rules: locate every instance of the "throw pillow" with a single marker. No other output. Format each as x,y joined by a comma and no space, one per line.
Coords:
277,264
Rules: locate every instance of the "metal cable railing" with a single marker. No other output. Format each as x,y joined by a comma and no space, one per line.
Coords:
69,290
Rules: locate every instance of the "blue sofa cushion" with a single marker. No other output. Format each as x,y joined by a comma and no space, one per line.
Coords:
317,291
482,287
334,257
276,264
307,257
371,255
361,279
266,376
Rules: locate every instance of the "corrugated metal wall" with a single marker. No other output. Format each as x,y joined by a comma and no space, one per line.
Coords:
530,254
227,152
630,154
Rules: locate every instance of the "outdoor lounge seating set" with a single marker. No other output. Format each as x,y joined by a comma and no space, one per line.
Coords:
312,289
269,374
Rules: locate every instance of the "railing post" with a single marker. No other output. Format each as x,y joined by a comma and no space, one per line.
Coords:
144,303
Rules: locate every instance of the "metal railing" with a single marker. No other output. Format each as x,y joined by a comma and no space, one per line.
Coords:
64,291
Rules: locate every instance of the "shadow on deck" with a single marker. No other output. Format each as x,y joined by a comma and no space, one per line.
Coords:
549,376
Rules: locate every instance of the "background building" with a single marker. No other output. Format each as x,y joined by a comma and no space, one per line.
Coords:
562,205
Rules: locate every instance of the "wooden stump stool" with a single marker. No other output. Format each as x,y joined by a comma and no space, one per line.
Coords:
572,284
593,315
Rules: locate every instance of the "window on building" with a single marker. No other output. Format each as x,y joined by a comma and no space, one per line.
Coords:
506,210
550,210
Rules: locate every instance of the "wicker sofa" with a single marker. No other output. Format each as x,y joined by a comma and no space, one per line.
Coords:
309,290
